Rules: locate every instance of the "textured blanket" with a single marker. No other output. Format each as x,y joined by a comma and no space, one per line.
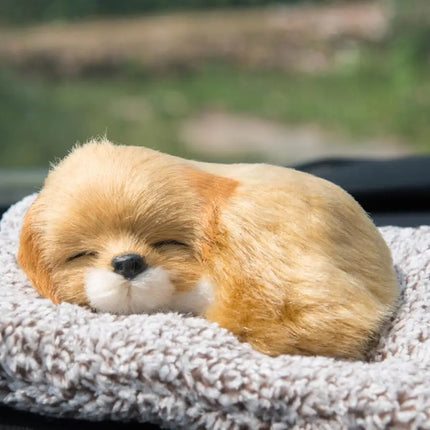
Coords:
184,372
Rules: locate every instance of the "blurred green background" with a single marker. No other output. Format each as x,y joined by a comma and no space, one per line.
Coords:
221,80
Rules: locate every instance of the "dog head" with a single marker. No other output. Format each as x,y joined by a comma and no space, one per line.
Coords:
121,228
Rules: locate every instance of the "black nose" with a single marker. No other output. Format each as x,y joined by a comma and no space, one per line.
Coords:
129,265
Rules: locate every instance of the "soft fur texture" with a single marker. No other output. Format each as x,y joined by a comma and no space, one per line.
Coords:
186,373
286,261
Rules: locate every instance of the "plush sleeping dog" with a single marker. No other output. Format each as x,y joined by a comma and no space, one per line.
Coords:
286,261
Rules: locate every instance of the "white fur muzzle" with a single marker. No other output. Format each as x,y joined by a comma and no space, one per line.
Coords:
148,292
151,291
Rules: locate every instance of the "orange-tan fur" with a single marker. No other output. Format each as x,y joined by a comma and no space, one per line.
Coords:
296,264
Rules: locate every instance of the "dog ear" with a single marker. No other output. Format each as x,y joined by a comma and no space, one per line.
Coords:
30,257
215,191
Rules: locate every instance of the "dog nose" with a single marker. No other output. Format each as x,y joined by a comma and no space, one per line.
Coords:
129,265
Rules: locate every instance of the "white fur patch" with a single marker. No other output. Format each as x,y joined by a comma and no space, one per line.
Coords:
148,292
195,301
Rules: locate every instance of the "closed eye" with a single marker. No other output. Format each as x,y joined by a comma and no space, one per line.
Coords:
80,255
168,243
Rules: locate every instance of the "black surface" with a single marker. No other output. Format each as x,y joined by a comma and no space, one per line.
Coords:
12,419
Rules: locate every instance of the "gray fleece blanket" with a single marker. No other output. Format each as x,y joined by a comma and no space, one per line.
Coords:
184,372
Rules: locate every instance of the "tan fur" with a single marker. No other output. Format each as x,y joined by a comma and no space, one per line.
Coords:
31,259
215,191
297,265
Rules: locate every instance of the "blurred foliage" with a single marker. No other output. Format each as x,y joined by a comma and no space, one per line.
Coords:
411,34
25,11
384,92
41,119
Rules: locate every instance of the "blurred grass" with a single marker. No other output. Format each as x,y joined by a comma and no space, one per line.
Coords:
41,119
24,11
383,90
